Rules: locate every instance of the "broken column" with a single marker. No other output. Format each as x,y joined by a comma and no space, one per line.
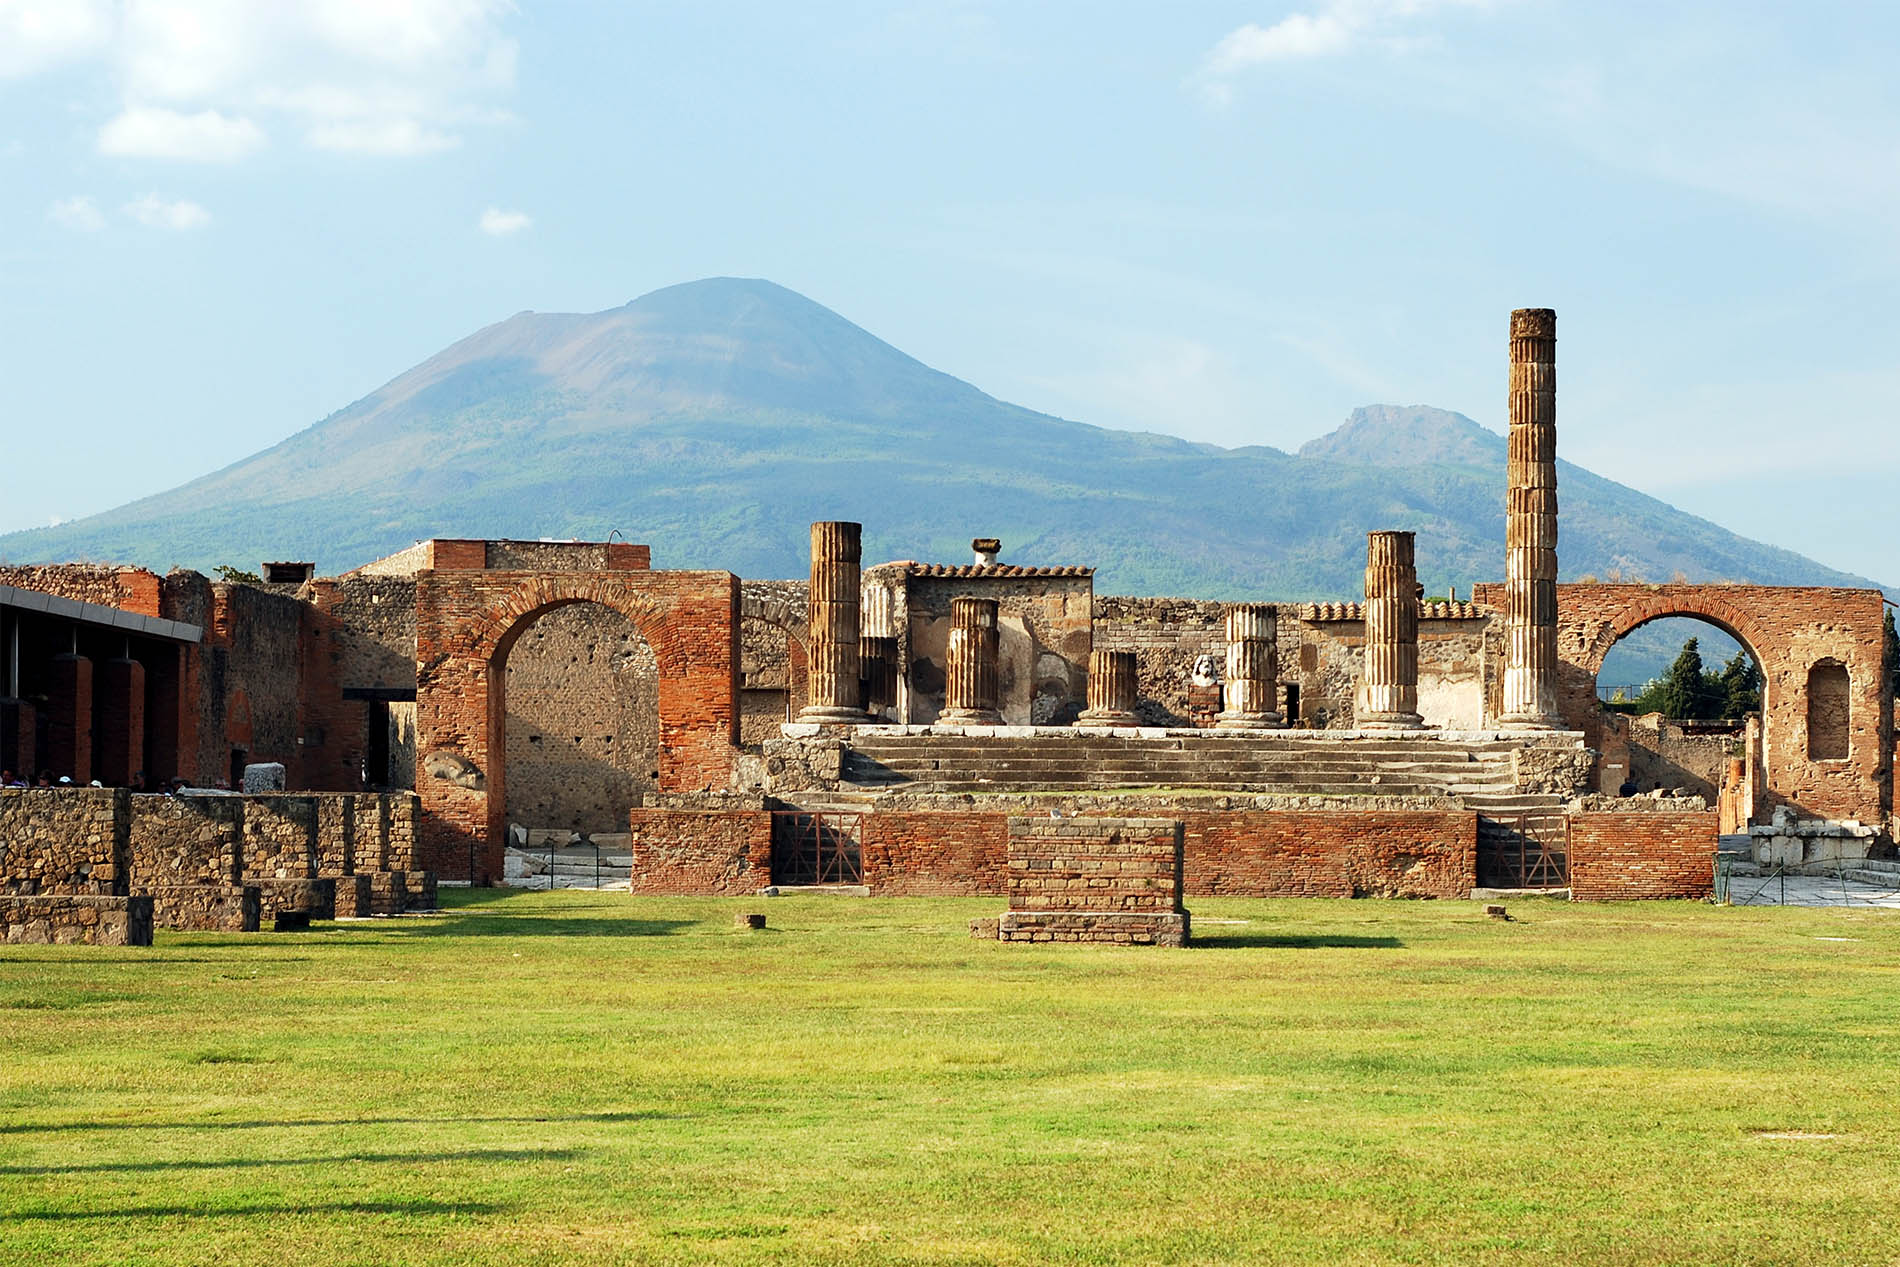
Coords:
1112,690
1530,525
1250,699
969,697
1391,671
832,613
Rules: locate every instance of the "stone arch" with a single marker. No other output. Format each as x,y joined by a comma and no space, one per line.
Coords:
467,621
1730,619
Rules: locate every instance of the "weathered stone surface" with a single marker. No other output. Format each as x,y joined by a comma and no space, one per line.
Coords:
970,689
75,919
1250,689
836,558
263,777
1530,525
1391,672
1112,689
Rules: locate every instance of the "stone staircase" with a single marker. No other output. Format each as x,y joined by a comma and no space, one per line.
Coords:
1285,764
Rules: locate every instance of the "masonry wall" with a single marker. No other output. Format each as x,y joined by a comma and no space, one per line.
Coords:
466,623
1170,637
1043,640
67,919
1790,630
63,840
934,855
1121,865
128,589
1411,854
583,733
1618,856
185,840
701,851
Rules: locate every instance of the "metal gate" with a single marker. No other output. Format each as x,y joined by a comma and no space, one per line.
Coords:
1524,851
809,847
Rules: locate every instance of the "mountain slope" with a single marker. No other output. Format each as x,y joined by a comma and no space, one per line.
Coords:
716,419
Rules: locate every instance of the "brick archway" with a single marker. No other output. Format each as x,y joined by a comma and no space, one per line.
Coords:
466,621
1788,629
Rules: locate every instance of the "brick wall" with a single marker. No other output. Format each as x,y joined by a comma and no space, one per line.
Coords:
1655,855
934,855
1414,854
1095,864
1790,630
701,851
467,621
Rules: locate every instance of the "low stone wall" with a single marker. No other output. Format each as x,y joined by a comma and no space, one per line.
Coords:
1123,928
280,837
1643,855
63,840
353,898
934,855
700,851
61,919
185,840
204,908
313,897
1345,853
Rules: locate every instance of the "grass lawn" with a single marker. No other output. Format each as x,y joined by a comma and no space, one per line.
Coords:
594,1078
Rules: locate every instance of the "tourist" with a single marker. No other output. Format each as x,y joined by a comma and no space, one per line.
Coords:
138,781
45,780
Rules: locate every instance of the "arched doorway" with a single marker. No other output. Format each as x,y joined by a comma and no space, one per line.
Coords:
580,742
1682,701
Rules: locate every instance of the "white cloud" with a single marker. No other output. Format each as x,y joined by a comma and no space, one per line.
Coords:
1335,27
204,79
36,35
204,137
497,223
78,213
179,214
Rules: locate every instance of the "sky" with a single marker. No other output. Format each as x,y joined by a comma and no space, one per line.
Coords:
222,220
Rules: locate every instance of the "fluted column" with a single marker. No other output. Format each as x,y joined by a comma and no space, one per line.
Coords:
1391,669
877,665
1250,689
1112,690
969,697
832,684
1530,525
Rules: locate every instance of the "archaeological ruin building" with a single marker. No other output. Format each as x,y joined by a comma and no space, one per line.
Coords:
542,712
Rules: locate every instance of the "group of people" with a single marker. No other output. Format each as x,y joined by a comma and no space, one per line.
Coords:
170,787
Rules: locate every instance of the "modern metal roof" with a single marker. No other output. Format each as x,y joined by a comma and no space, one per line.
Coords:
98,614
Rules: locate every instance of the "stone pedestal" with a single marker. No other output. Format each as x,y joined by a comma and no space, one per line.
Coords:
970,689
1530,525
1250,691
1112,690
1391,667
1113,880
832,683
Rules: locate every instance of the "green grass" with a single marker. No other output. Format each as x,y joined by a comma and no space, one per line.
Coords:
594,1078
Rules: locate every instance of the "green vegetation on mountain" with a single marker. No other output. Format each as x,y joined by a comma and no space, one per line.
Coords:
715,420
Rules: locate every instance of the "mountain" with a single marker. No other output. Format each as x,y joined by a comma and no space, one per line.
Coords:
716,419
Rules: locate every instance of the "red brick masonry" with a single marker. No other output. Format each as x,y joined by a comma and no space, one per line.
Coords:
1615,857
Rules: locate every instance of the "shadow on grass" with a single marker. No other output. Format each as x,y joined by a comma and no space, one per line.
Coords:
538,925
252,1163
218,1124
246,1211
1291,941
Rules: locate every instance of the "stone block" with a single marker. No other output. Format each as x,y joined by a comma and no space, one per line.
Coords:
264,777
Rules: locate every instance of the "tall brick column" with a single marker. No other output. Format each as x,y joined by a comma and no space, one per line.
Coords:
1250,692
120,744
1112,690
969,697
833,623
1530,525
1391,672
69,718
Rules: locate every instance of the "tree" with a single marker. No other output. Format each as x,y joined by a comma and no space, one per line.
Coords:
1738,688
1686,690
237,576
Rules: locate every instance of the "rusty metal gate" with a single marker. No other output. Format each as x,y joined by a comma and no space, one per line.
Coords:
1524,851
809,847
